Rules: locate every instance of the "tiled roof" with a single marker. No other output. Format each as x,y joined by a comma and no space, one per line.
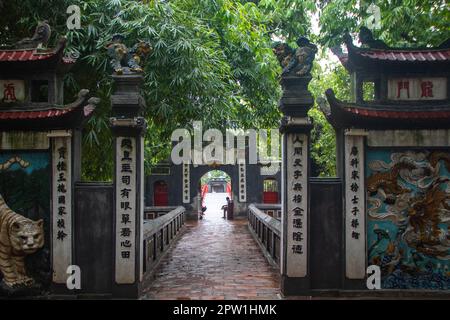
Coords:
43,114
407,55
378,53
82,107
34,54
386,114
25,55
389,114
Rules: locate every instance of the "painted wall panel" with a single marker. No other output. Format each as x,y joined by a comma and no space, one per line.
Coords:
408,217
25,186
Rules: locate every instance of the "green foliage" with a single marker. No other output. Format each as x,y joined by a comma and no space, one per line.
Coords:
368,91
214,174
288,19
403,22
212,59
323,149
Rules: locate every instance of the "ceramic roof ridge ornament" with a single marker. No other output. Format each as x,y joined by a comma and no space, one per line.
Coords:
124,60
368,42
296,62
367,39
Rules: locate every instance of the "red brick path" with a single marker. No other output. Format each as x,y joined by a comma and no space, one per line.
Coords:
215,259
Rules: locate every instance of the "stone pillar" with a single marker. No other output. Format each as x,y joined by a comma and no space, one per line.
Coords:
295,129
355,208
128,128
62,206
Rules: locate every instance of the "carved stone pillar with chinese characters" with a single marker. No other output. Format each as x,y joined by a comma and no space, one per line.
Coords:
295,127
62,205
355,208
128,129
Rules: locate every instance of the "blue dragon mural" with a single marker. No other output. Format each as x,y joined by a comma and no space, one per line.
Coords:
408,206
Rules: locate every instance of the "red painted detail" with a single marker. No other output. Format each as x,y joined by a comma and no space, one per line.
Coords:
270,197
25,55
204,192
22,115
400,114
229,190
161,194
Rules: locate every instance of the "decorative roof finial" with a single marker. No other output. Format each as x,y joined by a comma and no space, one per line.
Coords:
40,38
125,61
366,38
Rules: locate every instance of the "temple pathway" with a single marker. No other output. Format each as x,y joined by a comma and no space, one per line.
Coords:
215,259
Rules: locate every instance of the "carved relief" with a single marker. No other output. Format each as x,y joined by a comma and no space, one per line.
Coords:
408,227
124,60
296,62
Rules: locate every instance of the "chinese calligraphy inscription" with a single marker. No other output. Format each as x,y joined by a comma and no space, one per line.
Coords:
242,182
62,207
355,207
12,91
297,197
125,209
417,89
186,183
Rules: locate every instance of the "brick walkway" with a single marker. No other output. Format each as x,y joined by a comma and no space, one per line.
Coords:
215,259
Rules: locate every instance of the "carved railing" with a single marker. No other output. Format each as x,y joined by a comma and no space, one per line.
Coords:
160,232
272,210
266,230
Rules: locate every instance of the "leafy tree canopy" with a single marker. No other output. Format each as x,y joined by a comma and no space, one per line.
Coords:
212,59
402,22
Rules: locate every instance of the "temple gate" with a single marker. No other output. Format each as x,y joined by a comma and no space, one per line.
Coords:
393,142
182,183
388,208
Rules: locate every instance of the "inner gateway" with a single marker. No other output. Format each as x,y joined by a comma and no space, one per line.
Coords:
215,187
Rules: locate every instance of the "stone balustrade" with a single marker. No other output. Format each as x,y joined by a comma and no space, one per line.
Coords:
266,230
160,231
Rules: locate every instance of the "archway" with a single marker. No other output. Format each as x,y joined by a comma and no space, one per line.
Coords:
214,188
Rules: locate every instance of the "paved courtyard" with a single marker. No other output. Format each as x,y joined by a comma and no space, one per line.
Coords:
215,259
